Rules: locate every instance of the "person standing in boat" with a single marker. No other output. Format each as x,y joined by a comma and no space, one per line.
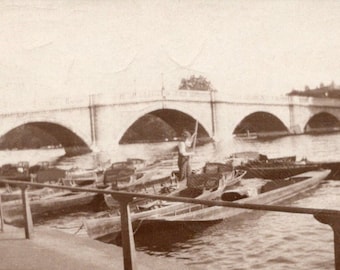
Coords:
184,154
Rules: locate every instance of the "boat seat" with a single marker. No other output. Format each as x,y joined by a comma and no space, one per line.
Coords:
216,167
68,182
204,181
168,189
50,175
190,192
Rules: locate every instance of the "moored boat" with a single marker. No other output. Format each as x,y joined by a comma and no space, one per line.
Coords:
334,166
58,201
253,156
43,172
206,185
78,177
270,192
119,173
276,170
138,163
48,175
260,166
125,171
33,194
139,182
19,171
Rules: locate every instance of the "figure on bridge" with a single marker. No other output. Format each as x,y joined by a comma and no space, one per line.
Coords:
184,153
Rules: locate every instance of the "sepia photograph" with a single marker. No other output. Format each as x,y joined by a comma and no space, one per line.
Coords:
169,134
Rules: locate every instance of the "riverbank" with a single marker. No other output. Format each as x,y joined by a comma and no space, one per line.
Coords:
55,250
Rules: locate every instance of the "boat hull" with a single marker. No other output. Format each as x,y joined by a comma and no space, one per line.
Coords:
68,201
274,171
32,194
109,228
333,166
218,213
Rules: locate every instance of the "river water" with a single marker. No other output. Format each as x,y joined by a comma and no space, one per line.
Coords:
256,240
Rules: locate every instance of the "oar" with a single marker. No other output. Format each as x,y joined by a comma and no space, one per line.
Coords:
195,139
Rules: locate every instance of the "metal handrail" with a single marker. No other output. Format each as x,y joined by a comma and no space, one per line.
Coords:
276,208
327,216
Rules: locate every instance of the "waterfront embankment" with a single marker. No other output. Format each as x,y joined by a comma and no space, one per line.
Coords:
55,250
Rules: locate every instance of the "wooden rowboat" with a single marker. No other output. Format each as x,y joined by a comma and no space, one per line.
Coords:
13,210
260,166
19,171
80,177
124,171
270,193
108,228
276,170
33,194
52,175
142,184
48,174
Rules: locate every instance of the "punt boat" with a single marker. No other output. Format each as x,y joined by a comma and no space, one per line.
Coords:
260,166
209,184
57,202
267,192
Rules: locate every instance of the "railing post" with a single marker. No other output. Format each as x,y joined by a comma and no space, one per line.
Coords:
334,222
27,212
1,216
128,242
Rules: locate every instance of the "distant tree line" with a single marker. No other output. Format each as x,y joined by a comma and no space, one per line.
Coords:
196,83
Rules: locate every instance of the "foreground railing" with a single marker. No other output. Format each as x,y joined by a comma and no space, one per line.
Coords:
326,216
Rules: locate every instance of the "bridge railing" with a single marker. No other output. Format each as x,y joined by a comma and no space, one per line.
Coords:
198,95
186,95
29,103
125,97
308,101
326,216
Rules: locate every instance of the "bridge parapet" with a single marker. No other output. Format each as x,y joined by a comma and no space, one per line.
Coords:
24,104
193,95
279,100
252,99
311,101
124,97
128,97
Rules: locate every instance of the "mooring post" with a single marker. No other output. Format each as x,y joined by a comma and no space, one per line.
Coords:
334,222
128,242
2,218
27,212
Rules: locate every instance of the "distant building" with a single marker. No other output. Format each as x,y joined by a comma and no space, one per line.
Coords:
325,91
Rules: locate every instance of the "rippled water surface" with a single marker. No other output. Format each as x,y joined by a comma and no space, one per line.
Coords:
257,240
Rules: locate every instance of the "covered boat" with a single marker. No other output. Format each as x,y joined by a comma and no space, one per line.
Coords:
260,166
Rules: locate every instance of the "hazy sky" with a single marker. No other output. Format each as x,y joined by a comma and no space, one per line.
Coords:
249,47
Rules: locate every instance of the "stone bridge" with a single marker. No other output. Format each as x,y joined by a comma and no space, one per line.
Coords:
83,123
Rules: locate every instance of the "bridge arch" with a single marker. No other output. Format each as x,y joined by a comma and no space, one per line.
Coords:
72,143
322,122
260,123
174,120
